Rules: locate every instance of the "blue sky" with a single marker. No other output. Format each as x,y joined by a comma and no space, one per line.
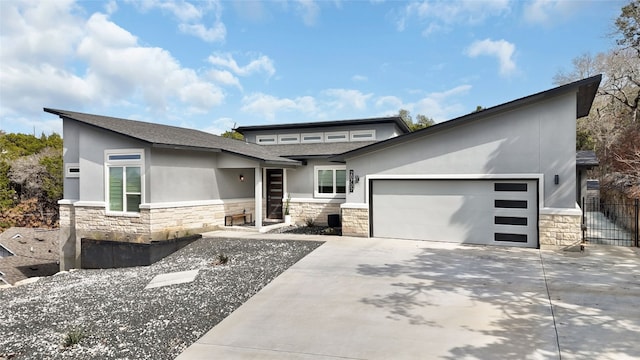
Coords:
209,65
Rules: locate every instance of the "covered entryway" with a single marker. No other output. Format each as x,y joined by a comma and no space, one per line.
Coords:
491,212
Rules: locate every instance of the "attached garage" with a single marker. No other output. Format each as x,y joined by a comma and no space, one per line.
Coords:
474,211
505,176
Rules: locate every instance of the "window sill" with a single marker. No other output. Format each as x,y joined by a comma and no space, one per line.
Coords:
122,214
329,196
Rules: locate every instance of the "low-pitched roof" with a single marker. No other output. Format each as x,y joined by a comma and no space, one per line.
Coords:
586,158
586,91
174,137
35,253
306,125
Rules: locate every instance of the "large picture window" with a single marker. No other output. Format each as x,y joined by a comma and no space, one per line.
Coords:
124,181
330,181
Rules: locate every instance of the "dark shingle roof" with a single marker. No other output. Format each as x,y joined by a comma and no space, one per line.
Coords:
585,93
586,158
174,137
305,125
35,253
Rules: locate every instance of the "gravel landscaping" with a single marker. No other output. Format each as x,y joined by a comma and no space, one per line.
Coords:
108,314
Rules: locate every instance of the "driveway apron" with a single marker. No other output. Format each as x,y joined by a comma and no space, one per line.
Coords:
355,298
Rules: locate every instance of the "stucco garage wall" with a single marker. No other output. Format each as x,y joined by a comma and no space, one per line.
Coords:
537,139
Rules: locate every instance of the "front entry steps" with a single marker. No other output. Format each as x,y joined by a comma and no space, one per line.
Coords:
267,225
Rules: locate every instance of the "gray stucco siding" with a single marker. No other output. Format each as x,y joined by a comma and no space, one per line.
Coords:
536,139
92,145
229,185
300,181
383,131
71,155
176,175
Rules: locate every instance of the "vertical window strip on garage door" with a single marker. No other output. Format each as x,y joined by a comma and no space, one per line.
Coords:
501,187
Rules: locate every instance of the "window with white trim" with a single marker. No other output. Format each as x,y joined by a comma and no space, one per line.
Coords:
124,180
266,139
363,135
288,139
330,181
313,138
72,170
336,136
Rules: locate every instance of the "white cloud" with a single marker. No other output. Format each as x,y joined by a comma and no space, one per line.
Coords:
443,105
501,49
224,77
359,78
439,106
390,102
440,15
111,7
346,98
309,11
261,64
267,105
53,57
191,17
44,32
547,11
220,126
216,33
182,10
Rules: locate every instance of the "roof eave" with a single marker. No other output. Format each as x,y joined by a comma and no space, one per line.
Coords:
185,147
586,90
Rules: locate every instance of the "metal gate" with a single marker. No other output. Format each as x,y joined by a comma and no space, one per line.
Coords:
609,223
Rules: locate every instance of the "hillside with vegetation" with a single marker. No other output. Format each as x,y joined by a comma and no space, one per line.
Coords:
30,180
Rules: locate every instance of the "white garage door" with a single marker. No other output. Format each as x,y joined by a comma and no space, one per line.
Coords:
491,212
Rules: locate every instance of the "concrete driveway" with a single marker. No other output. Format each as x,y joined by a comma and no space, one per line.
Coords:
356,298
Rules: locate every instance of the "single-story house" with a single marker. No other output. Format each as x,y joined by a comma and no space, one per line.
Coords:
506,175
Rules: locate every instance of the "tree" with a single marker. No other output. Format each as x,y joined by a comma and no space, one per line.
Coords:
232,134
628,26
422,121
30,178
612,128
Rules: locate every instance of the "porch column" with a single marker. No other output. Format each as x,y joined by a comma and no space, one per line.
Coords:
258,195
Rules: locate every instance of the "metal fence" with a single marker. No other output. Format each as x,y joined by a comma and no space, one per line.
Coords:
610,223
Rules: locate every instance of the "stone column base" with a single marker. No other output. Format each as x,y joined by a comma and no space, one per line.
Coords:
355,221
560,228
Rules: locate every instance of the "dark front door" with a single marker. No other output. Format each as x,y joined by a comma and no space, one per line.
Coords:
274,193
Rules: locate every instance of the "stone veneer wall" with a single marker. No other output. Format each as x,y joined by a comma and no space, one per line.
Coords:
159,223
92,222
560,229
67,237
318,211
355,222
